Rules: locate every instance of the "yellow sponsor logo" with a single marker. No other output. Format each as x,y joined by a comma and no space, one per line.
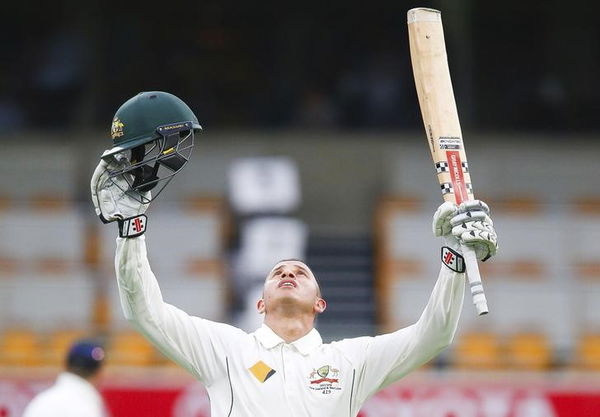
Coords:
116,129
168,151
261,371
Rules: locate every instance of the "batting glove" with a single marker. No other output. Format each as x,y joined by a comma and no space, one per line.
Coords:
115,201
467,224
472,226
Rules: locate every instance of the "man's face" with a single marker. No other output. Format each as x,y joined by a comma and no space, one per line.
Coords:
293,283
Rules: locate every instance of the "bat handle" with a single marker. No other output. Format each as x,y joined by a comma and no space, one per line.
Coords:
475,280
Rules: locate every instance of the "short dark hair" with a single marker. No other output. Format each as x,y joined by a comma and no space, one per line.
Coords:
85,358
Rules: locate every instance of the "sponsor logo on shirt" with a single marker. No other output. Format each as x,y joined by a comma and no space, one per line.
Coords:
324,379
261,371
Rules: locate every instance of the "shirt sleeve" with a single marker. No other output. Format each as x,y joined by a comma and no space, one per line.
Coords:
196,344
384,359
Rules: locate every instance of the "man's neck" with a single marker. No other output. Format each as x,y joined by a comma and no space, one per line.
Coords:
290,329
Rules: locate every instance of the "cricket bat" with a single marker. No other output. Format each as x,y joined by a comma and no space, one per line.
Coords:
442,126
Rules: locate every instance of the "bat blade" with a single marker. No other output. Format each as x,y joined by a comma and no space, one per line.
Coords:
438,107
441,122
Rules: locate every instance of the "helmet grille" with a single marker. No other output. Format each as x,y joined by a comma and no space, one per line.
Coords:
154,164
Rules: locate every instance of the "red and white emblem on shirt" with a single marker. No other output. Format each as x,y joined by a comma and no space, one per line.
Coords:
324,380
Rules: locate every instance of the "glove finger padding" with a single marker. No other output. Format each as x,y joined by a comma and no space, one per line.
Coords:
111,194
473,227
484,243
442,219
473,205
479,217
94,183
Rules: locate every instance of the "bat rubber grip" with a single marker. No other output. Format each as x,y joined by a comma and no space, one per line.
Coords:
475,280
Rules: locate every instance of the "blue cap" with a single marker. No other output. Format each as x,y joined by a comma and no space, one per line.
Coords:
85,354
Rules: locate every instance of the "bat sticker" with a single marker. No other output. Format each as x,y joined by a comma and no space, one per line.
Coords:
447,188
441,166
456,176
450,142
465,166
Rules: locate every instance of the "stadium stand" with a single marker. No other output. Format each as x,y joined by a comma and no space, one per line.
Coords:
20,347
477,351
191,275
130,348
528,351
57,343
55,270
529,286
587,352
47,282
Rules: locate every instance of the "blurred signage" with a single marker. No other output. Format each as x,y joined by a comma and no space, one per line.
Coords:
424,400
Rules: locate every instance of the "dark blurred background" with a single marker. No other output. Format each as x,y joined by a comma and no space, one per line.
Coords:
273,64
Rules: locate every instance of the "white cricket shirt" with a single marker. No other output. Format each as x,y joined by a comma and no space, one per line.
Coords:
70,396
258,374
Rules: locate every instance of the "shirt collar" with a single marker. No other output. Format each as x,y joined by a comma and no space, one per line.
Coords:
306,344
309,342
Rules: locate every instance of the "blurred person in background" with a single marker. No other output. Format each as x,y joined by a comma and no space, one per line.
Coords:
283,367
74,393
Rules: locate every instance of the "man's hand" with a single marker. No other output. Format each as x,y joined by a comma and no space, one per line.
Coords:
468,224
115,201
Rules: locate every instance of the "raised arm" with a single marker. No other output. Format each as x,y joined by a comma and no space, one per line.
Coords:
384,359
194,343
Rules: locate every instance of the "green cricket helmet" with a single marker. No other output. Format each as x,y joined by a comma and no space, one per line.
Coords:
155,132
